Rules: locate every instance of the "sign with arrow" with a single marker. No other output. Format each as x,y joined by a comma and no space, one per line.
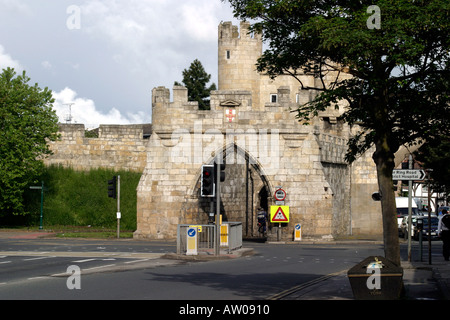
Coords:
191,241
407,175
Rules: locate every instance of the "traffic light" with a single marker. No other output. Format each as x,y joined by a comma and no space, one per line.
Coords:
207,183
112,188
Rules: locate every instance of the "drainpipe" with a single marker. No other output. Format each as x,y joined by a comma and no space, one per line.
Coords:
246,197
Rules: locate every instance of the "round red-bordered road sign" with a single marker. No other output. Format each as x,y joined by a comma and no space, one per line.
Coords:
280,195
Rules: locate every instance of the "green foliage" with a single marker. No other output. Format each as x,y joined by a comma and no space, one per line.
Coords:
195,80
435,155
394,80
74,198
27,122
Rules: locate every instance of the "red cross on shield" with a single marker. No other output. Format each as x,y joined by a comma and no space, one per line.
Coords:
230,114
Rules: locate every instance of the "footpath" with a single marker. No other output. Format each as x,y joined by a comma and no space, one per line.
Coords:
422,280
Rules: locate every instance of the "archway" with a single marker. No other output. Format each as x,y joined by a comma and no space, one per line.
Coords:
244,190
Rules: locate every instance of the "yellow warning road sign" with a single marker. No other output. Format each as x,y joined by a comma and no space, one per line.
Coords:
279,214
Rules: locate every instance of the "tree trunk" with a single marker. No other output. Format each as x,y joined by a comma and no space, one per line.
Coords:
384,160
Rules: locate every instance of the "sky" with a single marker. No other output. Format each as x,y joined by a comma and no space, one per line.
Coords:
101,59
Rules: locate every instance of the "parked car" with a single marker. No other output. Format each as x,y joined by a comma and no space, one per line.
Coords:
414,230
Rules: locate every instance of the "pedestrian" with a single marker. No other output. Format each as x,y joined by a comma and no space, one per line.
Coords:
262,220
444,233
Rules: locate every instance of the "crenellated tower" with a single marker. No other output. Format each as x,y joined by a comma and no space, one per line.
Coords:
238,53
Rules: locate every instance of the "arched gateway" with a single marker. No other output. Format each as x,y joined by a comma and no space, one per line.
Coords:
251,125
263,149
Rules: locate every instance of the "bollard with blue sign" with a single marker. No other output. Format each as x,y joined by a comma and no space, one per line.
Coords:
298,232
191,235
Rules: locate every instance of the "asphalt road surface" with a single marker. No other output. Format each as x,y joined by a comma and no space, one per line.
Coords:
136,270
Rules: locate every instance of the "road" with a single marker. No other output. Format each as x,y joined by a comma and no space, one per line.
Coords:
38,269
137,270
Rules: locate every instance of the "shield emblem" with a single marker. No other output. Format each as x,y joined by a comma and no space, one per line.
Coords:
230,114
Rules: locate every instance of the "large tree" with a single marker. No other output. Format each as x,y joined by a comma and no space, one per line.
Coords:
389,60
27,123
195,79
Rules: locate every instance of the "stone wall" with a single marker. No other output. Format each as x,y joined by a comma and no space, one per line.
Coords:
366,213
262,142
117,147
281,151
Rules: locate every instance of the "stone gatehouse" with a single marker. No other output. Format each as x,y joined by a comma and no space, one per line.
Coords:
252,127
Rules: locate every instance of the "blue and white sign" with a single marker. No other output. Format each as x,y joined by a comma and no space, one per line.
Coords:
192,232
191,241
298,232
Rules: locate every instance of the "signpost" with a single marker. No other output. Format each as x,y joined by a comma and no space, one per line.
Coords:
280,196
279,214
409,174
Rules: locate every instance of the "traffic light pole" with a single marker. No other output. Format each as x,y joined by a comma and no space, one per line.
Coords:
118,207
217,248
42,202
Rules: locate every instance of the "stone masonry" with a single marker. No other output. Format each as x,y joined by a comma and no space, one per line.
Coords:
116,147
252,127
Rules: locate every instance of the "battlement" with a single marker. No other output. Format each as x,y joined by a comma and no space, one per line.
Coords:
179,112
229,31
116,147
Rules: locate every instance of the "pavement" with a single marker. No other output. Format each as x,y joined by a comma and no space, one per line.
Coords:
421,280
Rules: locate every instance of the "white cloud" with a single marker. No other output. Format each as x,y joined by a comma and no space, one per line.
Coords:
84,111
121,51
81,110
199,20
7,61
15,6
142,31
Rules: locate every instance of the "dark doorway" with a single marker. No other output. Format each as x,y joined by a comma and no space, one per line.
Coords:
263,196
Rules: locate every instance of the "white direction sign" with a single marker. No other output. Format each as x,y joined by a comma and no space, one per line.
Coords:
406,174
